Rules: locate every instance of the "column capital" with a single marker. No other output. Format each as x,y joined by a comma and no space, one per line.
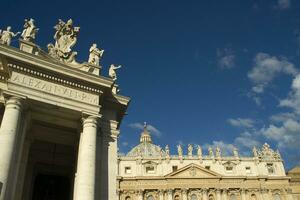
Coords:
16,102
90,119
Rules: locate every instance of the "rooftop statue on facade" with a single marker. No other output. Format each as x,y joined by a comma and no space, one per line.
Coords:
30,30
95,55
65,38
112,71
190,150
7,35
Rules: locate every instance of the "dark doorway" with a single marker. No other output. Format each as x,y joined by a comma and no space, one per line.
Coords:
50,187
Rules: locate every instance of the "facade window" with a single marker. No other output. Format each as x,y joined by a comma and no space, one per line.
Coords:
194,197
248,170
277,197
270,168
253,197
229,169
150,197
207,167
128,198
174,168
211,197
127,170
150,169
176,197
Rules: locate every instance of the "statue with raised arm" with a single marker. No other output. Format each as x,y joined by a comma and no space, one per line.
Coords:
95,55
65,38
7,35
179,149
190,150
112,71
29,31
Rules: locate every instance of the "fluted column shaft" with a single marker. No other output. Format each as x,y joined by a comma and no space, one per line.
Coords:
85,180
218,194
170,194
243,194
204,193
224,194
9,136
184,194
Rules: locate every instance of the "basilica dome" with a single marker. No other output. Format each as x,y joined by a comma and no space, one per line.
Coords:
146,148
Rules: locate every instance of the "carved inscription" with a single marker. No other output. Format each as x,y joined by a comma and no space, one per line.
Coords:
53,88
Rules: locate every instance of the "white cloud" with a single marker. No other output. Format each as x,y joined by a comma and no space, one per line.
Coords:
293,100
226,148
283,4
266,68
281,117
125,144
139,126
226,58
246,139
241,122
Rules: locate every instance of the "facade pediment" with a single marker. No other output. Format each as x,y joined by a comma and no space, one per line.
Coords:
193,171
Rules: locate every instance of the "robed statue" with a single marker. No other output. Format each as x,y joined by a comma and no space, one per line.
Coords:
112,71
29,31
95,55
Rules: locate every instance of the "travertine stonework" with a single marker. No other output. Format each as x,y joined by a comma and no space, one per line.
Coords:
148,172
59,119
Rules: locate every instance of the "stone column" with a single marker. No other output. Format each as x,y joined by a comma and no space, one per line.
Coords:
218,194
184,194
140,195
243,194
204,194
170,194
9,136
224,194
85,181
161,194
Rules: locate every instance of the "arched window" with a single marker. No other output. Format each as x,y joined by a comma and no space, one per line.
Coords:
127,198
232,197
277,197
194,197
211,197
253,197
176,197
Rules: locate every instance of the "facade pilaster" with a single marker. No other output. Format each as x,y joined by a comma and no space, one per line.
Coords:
218,194
140,194
170,194
85,181
9,138
161,194
243,194
204,194
224,194
184,194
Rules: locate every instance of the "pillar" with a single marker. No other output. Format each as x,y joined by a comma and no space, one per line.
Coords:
9,136
243,194
224,194
204,194
85,181
218,194
140,195
170,194
161,194
184,194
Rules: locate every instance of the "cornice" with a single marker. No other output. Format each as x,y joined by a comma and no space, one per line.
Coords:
56,67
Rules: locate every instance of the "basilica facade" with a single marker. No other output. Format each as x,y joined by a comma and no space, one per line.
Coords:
148,172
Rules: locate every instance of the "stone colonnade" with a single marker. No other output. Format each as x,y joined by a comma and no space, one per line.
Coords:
207,194
12,140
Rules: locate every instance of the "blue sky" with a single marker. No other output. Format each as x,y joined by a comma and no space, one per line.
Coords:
203,72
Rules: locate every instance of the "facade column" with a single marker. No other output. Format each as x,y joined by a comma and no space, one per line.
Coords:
85,180
289,195
161,194
184,194
170,194
204,194
218,194
243,194
140,195
9,137
224,194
